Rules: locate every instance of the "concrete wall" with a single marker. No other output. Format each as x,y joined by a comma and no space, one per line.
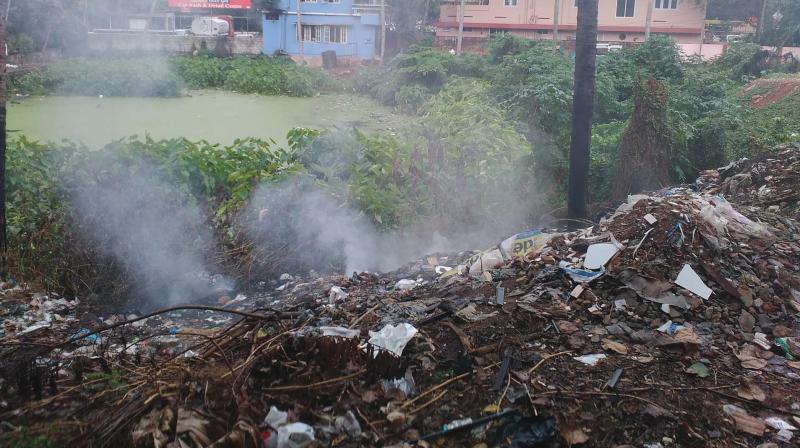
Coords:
708,52
685,24
153,43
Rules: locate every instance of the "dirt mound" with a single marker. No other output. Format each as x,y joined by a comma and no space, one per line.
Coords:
774,90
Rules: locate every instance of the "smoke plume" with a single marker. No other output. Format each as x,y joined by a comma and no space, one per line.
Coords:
152,229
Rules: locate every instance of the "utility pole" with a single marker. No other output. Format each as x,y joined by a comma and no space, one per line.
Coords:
556,18
582,108
649,20
150,15
760,30
8,9
383,30
300,34
460,27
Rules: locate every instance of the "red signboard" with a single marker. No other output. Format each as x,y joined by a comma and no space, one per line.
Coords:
207,4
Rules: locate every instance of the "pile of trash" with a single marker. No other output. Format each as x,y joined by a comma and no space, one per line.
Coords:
674,321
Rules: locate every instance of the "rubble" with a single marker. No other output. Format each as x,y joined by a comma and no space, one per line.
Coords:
681,330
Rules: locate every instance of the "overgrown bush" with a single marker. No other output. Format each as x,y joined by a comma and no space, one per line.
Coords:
149,77
46,241
741,61
167,77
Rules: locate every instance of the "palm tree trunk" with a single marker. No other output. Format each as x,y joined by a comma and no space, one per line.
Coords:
3,237
582,107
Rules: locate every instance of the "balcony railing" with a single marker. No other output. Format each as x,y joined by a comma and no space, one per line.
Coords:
367,7
467,2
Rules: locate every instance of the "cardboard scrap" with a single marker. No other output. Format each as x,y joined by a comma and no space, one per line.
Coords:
614,346
744,421
598,255
689,279
574,436
750,391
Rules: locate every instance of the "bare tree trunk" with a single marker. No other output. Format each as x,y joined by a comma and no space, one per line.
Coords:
760,30
582,107
150,15
556,18
300,34
648,23
383,30
460,27
3,236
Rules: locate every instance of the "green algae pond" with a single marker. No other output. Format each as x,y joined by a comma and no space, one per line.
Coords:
216,116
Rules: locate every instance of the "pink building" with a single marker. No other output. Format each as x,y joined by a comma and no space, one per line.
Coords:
618,20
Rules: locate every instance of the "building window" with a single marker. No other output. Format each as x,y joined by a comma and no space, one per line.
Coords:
312,33
331,1
334,34
625,8
510,2
666,4
308,1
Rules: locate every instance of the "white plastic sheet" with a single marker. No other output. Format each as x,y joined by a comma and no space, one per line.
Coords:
393,338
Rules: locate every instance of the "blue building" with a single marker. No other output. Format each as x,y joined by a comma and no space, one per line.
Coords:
351,28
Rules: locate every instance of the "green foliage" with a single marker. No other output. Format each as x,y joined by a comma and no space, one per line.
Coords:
410,98
43,235
660,57
740,61
760,129
25,438
605,143
165,78
786,30
506,44
427,66
201,72
148,77
462,154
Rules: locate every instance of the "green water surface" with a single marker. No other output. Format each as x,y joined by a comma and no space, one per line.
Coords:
216,116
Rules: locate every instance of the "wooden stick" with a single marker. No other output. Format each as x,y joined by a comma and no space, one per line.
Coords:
319,384
435,388
546,358
428,403
360,318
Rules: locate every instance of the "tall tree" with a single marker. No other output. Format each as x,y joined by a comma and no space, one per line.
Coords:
3,241
645,151
582,107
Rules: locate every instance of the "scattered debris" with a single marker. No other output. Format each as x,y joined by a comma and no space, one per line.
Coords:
551,337
393,337
689,279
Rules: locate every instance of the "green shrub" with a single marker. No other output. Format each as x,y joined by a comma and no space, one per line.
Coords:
742,61
101,77
45,240
410,98
165,78
201,72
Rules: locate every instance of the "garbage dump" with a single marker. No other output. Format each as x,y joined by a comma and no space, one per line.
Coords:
674,321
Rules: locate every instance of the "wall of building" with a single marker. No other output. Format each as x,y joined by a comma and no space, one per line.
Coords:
685,23
280,34
154,43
